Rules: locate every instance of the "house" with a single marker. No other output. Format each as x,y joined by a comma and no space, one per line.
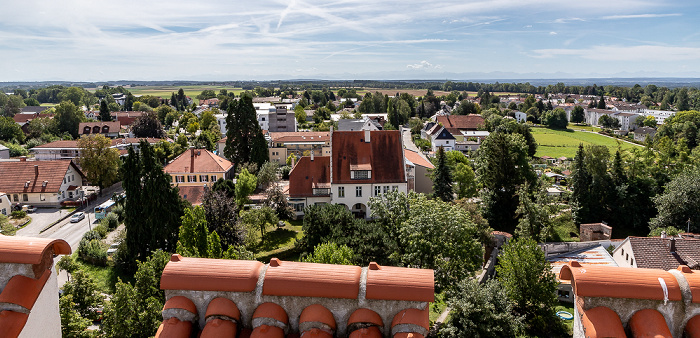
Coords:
211,103
198,167
4,152
455,124
41,183
33,110
361,164
126,118
192,193
641,134
659,115
627,119
23,119
236,298
419,179
29,287
271,117
5,204
614,301
520,116
663,252
358,124
558,178
283,144
69,150
107,129
440,137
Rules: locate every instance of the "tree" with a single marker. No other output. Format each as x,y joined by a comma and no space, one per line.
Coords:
222,215
267,174
153,207
580,184
245,141
193,236
533,214
227,186
502,167
577,115
480,311
105,116
68,117
527,279
442,178
299,114
72,94
609,122
13,106
99,161
148,125
680,202
649,121
9,130
73,325
83,289
601,103
245,185
276,199
330,253
555,119
207,120
465,179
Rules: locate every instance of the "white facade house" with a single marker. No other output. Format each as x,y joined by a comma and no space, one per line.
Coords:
5,204
41,183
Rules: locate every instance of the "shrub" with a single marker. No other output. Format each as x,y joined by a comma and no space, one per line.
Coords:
18,214
31,143
94,234
92,251
6,228
285,172
119,211
111,221
16,149
101,230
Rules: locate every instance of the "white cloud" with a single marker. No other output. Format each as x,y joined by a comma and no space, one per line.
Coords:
552,33
424,65
625,53
639,16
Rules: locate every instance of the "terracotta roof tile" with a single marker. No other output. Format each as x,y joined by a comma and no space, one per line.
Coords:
12,323
388,282
24,291
316,333
417,159
266,331
655,253
412,316
408,335
219,328
180,302
317,313
174,328
60,144
649,323
692,328
602,322
693,278
384,153
204,161
306,173
85,128
302,136
192,193
312,280
365,316
29,250
271,310
367,332
16,174
454,123
202,274
635,283
223,307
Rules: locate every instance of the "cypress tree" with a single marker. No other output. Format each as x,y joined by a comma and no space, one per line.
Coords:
442,178
580,185
245,142
104,112
601,103
173,102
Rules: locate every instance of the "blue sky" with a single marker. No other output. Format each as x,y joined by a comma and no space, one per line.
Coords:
88,40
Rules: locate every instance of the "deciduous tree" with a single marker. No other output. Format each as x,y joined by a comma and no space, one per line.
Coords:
245,141
68,117
99,161
148,125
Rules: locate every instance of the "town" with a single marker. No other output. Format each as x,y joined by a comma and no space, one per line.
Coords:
452,210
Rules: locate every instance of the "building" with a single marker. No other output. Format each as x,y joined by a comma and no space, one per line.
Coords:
440,137
361,164
358,124
641,134
282,119
663,252
659,115
584,253
419,177
41,183
595,232
627,119
69,150
455,124
4,152
283,144
5,204
28,286
107,129
126,118
235,298
614,301
198,167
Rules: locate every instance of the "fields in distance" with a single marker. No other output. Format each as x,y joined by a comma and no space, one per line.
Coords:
557,143
166,91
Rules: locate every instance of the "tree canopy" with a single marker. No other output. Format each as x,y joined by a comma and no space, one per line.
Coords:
99,161
245,142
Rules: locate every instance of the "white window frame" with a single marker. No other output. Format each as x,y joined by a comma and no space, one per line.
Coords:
358,191
341,192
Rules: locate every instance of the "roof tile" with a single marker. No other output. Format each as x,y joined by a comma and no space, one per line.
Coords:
204,274
384,153
602,322
204,161
12,323
312,280
649,323
307,173
223,307
388,282
24,291
30,250
16,174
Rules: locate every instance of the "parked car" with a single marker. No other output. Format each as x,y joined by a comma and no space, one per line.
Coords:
113,249
28,208
77,217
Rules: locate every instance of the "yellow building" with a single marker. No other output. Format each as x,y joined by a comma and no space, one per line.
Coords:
282,144
198,167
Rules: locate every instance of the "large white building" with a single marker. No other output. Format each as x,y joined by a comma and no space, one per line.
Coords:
362,164
274,117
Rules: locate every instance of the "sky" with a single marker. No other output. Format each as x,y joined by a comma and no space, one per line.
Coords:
97,40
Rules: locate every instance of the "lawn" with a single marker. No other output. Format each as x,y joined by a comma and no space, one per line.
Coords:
280,243
105,276
557,143
568,307
166,91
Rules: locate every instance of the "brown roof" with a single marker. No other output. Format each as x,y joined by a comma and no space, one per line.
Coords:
16,174
192,193
26,117
455,123
655,252
314,136
384,153
89,127
198,161
417,159
307,173
126,118
60,144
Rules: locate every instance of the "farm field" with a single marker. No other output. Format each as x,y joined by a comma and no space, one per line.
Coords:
558,143
415,92
166,91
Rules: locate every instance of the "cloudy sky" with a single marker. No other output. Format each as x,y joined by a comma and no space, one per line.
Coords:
97,40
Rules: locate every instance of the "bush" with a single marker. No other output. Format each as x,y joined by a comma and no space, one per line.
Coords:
16,149
18,214
90,235
92,251
6,228
33,143
101,230
119,211
111,221
285,172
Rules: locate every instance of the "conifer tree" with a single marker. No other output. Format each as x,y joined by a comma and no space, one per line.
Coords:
104,112
442,178
173,102
601,103
580,185
245,142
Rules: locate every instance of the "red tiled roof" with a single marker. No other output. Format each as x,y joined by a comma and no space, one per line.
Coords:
388,282
655,252
24,291
12,323
384,153
601,322
301,136
311,280
649,323
204,162
306,173
60,144
417,159
185,273
192,194
88,127
26,117
455,123
134,140
692,328
16,174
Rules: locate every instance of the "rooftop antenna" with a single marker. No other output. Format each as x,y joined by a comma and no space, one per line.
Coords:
688,225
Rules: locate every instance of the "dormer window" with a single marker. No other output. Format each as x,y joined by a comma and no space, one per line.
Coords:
360,174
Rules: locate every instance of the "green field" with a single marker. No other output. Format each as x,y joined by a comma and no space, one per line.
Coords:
558,143
166,91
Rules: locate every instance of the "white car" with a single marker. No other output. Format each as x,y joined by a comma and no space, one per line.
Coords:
77,217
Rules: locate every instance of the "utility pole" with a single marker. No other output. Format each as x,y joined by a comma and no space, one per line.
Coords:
688,225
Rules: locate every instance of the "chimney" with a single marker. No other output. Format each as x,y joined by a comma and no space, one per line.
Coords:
663,234
191,159
36,170
312,155
294,161
673,245
367,136
23,158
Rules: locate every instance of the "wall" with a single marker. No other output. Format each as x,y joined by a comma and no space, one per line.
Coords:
423,182
5,205
367,191
198,183
4,153
44,319
624,256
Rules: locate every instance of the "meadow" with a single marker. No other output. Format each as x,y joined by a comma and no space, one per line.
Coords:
166,91
557,143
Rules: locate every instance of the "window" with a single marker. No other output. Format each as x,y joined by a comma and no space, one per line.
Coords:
632,261
16,197
25,197
341,191
3,211
360,174
627,257
377,190
395,188
42,197
213,178
179,179
358,191
191,178
203,178
299,207
321,191
70,194
386,189
72,177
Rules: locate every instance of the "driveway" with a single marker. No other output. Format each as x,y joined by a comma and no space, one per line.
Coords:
41,218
